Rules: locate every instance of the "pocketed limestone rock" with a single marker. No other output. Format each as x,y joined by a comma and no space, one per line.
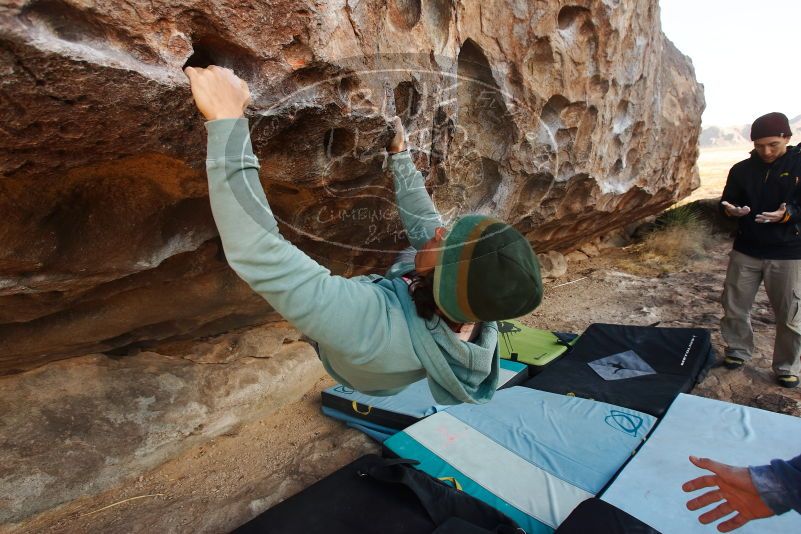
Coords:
568,121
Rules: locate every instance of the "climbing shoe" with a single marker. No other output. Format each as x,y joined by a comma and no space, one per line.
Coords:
787,381
733,362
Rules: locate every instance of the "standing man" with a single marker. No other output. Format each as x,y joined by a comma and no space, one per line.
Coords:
763,192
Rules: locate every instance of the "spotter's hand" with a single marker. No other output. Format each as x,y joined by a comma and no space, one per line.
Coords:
732,488
735,211
772,216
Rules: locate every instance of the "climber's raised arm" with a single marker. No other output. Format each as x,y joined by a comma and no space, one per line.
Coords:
322,306
417,211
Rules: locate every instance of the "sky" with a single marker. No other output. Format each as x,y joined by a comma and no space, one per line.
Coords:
744,52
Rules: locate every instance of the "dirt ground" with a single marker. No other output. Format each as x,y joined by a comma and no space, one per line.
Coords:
620,287
216,486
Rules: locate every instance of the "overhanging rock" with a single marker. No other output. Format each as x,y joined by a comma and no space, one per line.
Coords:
566,120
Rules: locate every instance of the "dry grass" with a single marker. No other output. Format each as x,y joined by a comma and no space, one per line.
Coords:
676,245
634,264
679,237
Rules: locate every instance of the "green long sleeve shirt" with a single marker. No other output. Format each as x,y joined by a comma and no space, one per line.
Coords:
369,334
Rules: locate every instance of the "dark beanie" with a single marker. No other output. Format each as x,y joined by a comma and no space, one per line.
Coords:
771,125
486,271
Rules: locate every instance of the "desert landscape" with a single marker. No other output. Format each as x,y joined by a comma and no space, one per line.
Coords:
720,148
713,166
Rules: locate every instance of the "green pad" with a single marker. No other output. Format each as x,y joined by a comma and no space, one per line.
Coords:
528,345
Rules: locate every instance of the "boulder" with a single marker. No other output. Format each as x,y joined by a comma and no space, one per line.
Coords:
78,427
552,264
567,120
590,249
576,255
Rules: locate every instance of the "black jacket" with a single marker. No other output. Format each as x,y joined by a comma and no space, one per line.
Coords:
764,187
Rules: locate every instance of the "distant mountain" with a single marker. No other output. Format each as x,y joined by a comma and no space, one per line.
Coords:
717,136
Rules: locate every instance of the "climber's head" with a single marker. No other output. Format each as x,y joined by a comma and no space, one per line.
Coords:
483,270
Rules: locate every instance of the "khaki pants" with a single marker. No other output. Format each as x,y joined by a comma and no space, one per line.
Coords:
783,285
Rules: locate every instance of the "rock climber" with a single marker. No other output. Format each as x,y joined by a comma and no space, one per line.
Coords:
432,315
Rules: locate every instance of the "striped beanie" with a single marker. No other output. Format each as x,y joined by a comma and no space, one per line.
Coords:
486,271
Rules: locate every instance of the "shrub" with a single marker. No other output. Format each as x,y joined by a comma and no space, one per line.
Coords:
680,234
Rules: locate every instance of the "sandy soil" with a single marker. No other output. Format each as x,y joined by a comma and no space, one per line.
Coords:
216,486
